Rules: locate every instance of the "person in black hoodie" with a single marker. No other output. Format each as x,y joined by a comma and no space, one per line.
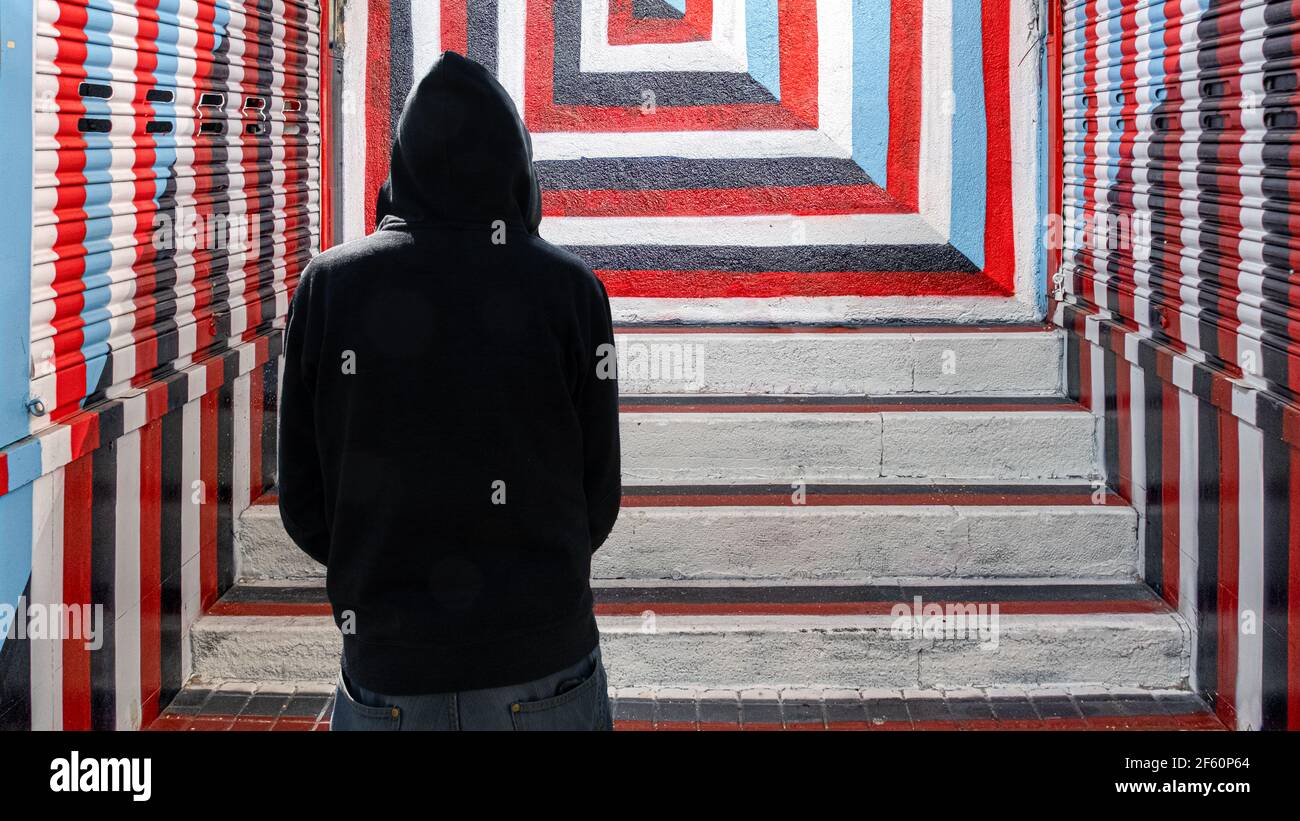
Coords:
449,443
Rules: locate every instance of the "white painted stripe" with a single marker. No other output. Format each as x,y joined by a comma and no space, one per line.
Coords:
47,590
823,309
935,194
426,34
549,145
1188,509
241,487
726,51
1138,454
1250,579
191,498
511,56
353,134
762,230
126,586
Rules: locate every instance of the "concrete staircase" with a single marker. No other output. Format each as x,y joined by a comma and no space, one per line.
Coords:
789,494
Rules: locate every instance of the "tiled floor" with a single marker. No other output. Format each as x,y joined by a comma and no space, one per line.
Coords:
245,706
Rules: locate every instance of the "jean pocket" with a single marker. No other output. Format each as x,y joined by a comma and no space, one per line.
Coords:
584,706
351,714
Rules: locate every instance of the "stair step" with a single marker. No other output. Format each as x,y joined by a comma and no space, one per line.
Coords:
842,532
743,636
1009,360
228,704
832,439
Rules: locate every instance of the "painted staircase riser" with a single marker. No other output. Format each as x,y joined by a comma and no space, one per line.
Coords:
724,448
833,543
1145,651
1008,364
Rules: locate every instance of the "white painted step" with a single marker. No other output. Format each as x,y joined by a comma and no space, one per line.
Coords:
736,652
850,542
862,361
781,446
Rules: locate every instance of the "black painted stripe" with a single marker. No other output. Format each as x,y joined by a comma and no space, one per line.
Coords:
1277,573
794,594
270,414
1110,363
1153,447
795,258
655,10
401,55
103,582
1207,565
679,173
175,497
16,679
225,486
481,33
572,86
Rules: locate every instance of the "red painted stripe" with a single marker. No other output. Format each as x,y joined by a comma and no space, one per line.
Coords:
255,422
150,567
4,473
741,407
797,108
78,495
688,284
1170,462
1124,411
378,139
812,200
143,336
865,499
905,94
625,29
454,26
324,102
70,230
831,329
1229,557
999,221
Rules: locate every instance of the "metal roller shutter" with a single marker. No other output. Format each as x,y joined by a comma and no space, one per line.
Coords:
1179,132
176,194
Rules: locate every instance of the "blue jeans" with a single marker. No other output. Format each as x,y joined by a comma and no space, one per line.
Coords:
576,698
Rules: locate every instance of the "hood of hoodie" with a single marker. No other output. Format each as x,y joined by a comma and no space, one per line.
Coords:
461,154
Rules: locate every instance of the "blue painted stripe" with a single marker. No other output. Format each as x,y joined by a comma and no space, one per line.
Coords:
1039,282
15,220
680,5
15,547
871,45
763,44
94,312
24,462
969,132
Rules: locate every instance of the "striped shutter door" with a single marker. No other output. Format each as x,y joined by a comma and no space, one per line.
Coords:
176,190
1179,185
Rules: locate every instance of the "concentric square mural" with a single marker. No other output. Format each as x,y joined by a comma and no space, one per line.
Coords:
746,148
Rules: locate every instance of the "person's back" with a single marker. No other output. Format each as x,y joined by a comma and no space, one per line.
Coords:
449,437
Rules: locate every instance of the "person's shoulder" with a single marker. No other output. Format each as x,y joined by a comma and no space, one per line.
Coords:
346,255
569,267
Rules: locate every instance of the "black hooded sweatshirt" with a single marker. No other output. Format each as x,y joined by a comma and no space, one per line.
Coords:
449,417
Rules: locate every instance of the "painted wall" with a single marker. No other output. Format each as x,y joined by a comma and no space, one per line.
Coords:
1177,291
162,184
731,160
